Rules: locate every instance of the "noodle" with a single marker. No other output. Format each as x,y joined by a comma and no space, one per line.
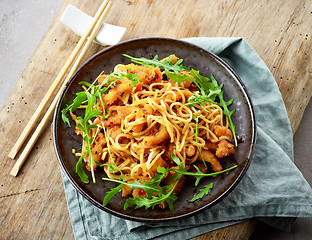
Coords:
142,124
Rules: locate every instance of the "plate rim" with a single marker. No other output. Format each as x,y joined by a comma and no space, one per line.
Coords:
173,218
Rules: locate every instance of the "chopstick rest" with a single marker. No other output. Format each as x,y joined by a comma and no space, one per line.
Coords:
79,22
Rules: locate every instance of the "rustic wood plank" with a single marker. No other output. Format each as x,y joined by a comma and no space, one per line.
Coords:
239,231
278,30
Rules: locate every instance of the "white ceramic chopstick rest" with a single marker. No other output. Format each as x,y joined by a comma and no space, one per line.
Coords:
78,21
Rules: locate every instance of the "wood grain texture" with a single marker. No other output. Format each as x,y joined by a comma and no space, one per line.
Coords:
33,205
240,231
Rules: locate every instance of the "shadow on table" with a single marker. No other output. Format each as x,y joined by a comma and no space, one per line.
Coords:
302,227
302,230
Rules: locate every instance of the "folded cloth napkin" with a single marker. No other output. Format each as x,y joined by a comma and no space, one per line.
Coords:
272,190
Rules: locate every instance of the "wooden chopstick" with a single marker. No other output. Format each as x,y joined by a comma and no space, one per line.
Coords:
95,27
56,82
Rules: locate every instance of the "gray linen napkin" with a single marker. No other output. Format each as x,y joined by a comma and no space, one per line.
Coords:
273,189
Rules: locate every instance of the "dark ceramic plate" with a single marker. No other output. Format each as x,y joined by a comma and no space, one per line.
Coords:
194,57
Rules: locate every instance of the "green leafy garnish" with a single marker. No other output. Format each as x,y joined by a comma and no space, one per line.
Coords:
202,192
165,65
150,187
111,193
158,195
225,105
198,174
160,189
133,77
90,97
171,70
79,170
95,92
169,198
209,90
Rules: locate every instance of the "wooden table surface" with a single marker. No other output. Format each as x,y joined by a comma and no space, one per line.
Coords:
33,204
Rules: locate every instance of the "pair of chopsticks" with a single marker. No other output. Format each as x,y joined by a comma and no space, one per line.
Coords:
89,37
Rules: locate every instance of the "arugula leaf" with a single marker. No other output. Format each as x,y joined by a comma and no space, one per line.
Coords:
86,131
202,192
225,105
209,89
110,194
177,161
150,187
199,99
164,193
81,96
84,83
198,175
204,85
85,127
79,170
170,198
178,78
133,77
171,70
164,65
91,114
91,97
63,115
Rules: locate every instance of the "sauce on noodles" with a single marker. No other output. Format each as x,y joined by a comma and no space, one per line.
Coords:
145,117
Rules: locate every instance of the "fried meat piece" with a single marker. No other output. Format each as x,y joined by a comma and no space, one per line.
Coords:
212,159
224,149
121,113
222,131
146,75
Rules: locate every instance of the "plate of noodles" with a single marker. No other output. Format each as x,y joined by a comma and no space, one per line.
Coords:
154,130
